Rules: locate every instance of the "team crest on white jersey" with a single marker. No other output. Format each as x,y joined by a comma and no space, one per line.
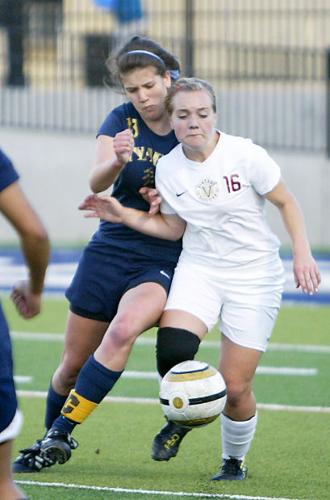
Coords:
207,189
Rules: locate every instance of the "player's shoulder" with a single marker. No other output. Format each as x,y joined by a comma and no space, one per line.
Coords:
168,161
171,155
241,146
125,110
118,119
236,143
8,173
4,160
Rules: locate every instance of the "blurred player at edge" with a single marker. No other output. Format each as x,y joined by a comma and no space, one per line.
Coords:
26,296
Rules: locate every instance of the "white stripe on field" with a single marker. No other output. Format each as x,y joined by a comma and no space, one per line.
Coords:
284,370
263,370
22,379
59,337
148,492
155,401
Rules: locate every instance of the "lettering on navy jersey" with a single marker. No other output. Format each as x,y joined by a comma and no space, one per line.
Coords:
142,153
133,124
139,172
149,177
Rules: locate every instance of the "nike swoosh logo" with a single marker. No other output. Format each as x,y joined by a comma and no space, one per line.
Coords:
165,274
180,194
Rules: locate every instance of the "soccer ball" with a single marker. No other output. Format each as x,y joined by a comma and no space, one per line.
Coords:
192,393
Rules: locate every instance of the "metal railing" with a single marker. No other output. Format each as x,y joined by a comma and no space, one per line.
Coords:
270,77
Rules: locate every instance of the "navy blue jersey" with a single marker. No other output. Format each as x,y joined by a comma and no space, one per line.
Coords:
8,401
8,174
138,172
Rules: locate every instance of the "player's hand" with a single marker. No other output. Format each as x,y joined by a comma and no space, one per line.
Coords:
151,196
123,144
28,304
306,273
102,206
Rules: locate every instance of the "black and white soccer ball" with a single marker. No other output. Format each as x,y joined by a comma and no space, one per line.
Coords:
192,393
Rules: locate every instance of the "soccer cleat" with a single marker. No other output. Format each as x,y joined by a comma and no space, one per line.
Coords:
232,469
166,443
31,460
57,445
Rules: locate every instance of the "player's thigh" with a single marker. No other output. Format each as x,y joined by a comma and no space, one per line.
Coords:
193,292
98,283
82,337
246,330
238,364
175,318
140,308
248,324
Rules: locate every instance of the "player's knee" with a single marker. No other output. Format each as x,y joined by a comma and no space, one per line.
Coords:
66,376
121,333
238,393
174,345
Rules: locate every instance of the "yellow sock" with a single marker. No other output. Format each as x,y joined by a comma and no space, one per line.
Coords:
77,408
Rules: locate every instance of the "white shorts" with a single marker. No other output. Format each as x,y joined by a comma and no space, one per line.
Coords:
246,307
13,428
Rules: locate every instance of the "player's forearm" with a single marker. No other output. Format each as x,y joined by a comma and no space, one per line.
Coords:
104,175
154,225
294,222
36,250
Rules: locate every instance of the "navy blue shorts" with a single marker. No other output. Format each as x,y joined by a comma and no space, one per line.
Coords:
103,276
8,400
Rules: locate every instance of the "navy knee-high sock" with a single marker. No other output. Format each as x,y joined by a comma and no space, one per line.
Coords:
54,406
93,384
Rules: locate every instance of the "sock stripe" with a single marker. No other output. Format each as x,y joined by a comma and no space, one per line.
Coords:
77,408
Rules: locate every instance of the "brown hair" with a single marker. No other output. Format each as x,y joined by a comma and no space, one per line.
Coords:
189,85
141,52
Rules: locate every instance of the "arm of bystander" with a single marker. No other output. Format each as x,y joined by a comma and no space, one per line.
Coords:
34,241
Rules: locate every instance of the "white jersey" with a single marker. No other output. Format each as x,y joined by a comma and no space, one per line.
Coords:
222,201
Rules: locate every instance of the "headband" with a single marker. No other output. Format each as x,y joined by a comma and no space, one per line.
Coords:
152,54
175,73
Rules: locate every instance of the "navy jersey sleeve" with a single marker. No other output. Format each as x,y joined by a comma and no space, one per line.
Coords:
114,122
8,174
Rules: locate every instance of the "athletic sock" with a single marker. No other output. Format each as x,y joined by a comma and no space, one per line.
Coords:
54,406
93,384
237,436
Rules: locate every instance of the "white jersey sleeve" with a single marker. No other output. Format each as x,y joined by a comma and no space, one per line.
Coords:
265,173
166,209
160,182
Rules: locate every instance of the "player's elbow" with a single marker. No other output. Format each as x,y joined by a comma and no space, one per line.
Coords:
178,235
175,235
172,237
94,185
36,234
95,181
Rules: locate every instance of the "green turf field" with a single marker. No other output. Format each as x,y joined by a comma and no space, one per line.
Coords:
290,457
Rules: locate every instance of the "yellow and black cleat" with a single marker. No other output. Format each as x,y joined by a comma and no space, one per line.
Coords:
57,445
166,443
